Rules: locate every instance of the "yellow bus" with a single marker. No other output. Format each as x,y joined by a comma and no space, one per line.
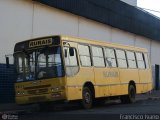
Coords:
65,68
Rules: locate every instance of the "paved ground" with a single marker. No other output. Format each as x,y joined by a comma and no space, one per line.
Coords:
147,104
146,107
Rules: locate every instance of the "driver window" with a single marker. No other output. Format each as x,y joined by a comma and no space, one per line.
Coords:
54,58
49,63
20,64
32,62
42,60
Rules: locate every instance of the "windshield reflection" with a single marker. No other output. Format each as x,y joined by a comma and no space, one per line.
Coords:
39,64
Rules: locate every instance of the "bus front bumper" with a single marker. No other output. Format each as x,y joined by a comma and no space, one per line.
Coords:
31,99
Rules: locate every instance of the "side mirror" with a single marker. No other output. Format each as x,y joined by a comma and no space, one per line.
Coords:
71,51
7,62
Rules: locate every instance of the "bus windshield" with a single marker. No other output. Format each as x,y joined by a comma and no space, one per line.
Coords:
38,64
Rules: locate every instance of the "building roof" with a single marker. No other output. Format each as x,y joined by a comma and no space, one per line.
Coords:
112,12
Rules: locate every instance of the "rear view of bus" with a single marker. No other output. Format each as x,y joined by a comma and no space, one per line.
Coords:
40,71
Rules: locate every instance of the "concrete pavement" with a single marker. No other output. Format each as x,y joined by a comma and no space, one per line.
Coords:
150,95
10,107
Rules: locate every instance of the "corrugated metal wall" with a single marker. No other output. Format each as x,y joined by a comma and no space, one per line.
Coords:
112,12
7,79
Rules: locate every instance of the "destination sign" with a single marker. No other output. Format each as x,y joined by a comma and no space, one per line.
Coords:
41,42
36,43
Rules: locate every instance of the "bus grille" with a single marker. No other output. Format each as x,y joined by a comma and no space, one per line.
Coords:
38,91
37,99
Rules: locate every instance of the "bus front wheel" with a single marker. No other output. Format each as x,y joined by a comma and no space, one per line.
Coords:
87,98
130,98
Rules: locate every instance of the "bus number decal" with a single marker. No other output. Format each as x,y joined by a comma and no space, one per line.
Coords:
110,74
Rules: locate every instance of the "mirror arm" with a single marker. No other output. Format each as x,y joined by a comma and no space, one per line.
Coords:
7,60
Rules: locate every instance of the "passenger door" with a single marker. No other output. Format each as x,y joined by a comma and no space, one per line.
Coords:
71,69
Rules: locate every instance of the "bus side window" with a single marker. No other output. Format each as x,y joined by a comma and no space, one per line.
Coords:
121,58
98,58
140,60
110,57
84,55
146,60
131,59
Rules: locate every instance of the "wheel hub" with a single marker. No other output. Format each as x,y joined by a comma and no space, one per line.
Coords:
87,97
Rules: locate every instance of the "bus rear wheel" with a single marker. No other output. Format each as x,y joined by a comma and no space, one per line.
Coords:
87,98
130,98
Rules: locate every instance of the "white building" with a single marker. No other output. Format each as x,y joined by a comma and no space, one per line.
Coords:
108,20
25,19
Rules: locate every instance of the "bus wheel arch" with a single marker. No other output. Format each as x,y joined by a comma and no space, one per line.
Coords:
88,95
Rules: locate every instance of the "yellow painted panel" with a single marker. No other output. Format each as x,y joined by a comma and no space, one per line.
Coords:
127,75
145,87
75,83
74,93
139,88
116,90
124,89
114,82
145,76
103,91
150,86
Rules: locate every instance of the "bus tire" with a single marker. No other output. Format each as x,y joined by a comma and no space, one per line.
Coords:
130,98
132,94
87,98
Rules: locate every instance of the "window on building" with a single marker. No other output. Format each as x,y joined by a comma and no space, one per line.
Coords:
131,59
140,60
110,57
98,58
85,57
121,58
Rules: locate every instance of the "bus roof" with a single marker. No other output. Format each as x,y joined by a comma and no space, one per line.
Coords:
102,43
83,40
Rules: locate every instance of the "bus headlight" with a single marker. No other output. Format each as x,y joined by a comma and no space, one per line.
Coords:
54,89
20,93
